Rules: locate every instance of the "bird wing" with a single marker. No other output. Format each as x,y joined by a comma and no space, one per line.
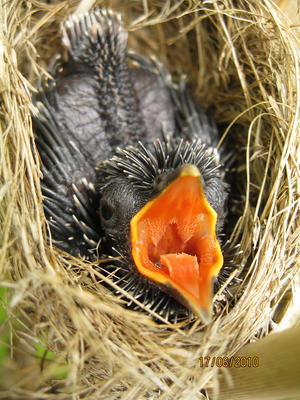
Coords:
70,198
73,100
191,121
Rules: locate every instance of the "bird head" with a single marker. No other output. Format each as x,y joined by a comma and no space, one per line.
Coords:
163,208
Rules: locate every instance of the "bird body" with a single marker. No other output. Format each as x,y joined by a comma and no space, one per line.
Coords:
130,160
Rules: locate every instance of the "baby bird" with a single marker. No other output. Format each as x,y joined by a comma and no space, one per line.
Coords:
131,169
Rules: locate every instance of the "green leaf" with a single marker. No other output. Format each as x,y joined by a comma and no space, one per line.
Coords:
3,300
56,369
42,352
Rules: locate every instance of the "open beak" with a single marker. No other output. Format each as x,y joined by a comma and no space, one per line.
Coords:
174,242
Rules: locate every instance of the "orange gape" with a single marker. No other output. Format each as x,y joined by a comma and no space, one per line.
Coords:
174,242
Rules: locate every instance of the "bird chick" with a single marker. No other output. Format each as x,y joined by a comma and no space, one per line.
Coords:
130,160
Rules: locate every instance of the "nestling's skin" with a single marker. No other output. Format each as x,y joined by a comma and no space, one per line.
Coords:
98,177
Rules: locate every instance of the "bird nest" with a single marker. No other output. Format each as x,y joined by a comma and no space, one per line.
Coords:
242,64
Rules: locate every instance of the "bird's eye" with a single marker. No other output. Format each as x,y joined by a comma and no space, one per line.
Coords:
106,210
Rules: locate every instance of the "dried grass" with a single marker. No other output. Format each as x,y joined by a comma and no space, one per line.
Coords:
243,63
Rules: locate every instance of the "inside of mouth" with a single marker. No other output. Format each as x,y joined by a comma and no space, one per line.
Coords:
176,236
179,253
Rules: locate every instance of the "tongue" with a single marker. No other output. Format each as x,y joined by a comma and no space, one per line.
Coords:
183,269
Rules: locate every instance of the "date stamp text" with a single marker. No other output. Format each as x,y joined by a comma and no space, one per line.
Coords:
234,362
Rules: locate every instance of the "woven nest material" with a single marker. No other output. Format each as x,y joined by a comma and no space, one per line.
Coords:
243,64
